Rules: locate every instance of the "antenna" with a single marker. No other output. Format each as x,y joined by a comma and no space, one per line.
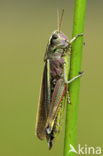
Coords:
59,19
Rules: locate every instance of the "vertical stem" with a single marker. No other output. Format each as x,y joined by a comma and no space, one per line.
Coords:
75,68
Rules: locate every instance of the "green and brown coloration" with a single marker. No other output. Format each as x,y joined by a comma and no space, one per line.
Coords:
54,85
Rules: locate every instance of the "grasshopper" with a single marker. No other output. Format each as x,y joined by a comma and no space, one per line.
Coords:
54,85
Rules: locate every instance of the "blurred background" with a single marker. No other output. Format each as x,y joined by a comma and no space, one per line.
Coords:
25,26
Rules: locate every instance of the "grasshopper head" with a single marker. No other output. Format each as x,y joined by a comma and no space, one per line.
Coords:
58,40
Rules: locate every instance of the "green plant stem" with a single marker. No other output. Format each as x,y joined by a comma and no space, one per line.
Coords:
75,68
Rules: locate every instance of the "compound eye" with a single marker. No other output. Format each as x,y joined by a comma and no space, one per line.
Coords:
54,36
